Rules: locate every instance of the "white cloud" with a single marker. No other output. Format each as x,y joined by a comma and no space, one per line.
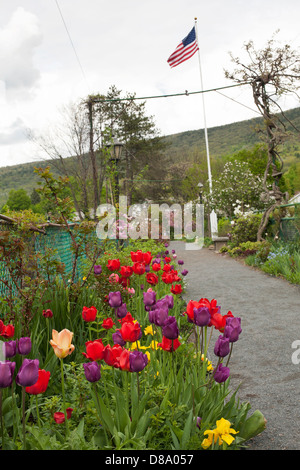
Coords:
18,40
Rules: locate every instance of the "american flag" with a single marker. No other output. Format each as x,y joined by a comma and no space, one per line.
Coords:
185,50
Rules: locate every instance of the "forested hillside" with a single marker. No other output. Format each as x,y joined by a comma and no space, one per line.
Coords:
184,149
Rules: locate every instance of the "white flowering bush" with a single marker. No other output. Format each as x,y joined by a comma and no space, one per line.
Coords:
236,191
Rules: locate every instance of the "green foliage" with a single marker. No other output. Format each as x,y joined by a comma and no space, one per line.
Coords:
245,229
18,200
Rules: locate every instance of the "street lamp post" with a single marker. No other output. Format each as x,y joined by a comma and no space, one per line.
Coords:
116,148
200,186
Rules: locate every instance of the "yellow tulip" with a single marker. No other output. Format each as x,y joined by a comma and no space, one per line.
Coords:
61,343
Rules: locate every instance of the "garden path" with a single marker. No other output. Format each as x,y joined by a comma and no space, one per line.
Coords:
261,361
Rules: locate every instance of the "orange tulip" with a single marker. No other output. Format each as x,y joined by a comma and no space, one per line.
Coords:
61,343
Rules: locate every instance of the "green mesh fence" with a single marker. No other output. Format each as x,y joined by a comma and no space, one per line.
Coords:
289,229
56,238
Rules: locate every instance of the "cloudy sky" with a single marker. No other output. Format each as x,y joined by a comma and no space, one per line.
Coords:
54,52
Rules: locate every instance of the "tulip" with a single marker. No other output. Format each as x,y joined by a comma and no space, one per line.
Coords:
47,313
61,343
59,417
138,361
115,299
7,370
156,266
124,360
41,385
114,278
152,279
122,311
170,328
201,316
28,373
111,355
92,371
107,323
113,264
169,299
149,298
138,268
126,271
232,329
221,373
117,338
130,331
10,349
94,350
184,272
221,348
7,331
89,313
24,346
147,257
169,344
180,262
177,289
97,269
161,315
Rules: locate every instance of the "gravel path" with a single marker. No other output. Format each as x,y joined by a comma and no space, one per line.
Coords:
261,361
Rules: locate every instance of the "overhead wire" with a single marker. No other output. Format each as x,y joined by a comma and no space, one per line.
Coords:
72,44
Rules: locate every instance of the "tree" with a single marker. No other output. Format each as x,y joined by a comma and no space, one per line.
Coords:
18,200
236,188
271,72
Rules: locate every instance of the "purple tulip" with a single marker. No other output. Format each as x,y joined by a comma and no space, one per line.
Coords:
28,373
232,329
221,348
198,422
170,328
10,349
151,316
170,300
92,371
180,261
201,316
184,272
115,299
137,361
161,315
149,298
6,373
97,269
122,311
117,338
24,346
221,373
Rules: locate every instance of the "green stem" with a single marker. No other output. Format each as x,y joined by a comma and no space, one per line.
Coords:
228,359
63,394
1,421
23,417
37,411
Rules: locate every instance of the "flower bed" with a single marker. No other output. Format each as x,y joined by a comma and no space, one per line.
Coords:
126,367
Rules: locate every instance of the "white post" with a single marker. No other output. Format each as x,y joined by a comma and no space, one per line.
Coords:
213,215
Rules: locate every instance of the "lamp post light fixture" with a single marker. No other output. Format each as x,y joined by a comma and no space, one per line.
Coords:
115,147
200,186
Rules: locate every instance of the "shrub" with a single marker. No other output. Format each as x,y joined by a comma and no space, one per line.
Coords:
245,229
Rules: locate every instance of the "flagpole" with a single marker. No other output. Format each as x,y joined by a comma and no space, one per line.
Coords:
212,215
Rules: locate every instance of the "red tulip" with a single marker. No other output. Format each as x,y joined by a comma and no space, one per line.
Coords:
94,350
156,267
89,313
169,344
59,417
137,256
177,289
147,257
124,360
7,331
152,278
126,271
130,331
41,385
47,313
113,264
138,268
112,355
107,323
